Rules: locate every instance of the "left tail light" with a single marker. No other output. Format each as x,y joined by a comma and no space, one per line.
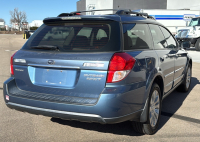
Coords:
11,64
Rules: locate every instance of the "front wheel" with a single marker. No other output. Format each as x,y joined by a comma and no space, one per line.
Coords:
154,110
186,45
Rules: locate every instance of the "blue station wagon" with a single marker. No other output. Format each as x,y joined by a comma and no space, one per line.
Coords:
98,68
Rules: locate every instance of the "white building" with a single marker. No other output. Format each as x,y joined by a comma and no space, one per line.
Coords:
137,4
2,23
7,27
183,4
120,4
15,26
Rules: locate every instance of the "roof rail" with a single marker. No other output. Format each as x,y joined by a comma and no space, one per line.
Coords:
119,12
77,12
129,12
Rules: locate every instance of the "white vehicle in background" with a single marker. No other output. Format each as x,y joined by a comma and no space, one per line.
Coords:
190,35
184,24
172,19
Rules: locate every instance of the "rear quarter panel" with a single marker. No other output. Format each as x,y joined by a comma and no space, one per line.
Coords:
134,89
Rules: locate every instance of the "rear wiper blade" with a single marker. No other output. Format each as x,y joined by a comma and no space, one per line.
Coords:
48,47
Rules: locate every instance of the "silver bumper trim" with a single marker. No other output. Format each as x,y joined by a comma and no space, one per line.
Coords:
55,111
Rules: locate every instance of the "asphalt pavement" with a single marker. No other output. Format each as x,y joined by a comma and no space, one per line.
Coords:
194,54
180,119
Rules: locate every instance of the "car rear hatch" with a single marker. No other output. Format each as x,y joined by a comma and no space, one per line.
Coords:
66,61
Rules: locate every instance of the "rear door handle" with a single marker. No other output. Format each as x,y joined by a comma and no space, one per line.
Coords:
171,55
166,56
163,58
181,54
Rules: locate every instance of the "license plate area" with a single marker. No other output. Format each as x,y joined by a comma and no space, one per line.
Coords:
61,78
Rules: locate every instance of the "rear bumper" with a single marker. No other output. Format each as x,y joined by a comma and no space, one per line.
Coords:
73,115
112,107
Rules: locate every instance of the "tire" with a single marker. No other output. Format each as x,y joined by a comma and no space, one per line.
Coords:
154,107
186,45
184,87
197,45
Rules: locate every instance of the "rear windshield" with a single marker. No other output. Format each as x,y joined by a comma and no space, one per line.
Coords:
77,37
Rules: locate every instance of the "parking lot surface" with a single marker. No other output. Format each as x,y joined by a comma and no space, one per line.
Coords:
180,119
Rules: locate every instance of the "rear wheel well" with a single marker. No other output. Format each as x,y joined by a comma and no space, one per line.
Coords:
159,81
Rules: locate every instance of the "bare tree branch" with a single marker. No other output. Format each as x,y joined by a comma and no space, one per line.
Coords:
17,17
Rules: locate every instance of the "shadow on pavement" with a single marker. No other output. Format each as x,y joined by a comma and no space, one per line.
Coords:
123,128
170,105
173,102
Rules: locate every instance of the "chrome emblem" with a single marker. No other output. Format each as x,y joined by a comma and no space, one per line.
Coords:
51,62
19,70
94,77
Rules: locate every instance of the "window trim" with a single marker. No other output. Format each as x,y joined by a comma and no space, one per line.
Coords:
163,35
170,34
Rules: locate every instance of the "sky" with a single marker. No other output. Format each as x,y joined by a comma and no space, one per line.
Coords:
36,9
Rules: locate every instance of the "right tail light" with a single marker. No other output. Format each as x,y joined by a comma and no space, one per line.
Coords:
120,66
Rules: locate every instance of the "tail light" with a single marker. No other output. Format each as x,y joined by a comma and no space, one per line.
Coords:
120,66
11,64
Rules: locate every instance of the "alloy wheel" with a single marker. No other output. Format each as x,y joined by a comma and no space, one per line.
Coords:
188,78
154,108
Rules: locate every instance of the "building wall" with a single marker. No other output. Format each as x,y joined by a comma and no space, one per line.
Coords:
183,4
99,4
122,4
81,5
140,4
2,24
14,26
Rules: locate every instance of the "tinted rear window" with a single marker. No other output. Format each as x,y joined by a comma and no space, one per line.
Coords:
77,37
136,36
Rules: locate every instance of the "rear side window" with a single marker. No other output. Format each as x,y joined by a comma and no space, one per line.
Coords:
77,37
101,34
136,36
85,31
169,38
158,38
